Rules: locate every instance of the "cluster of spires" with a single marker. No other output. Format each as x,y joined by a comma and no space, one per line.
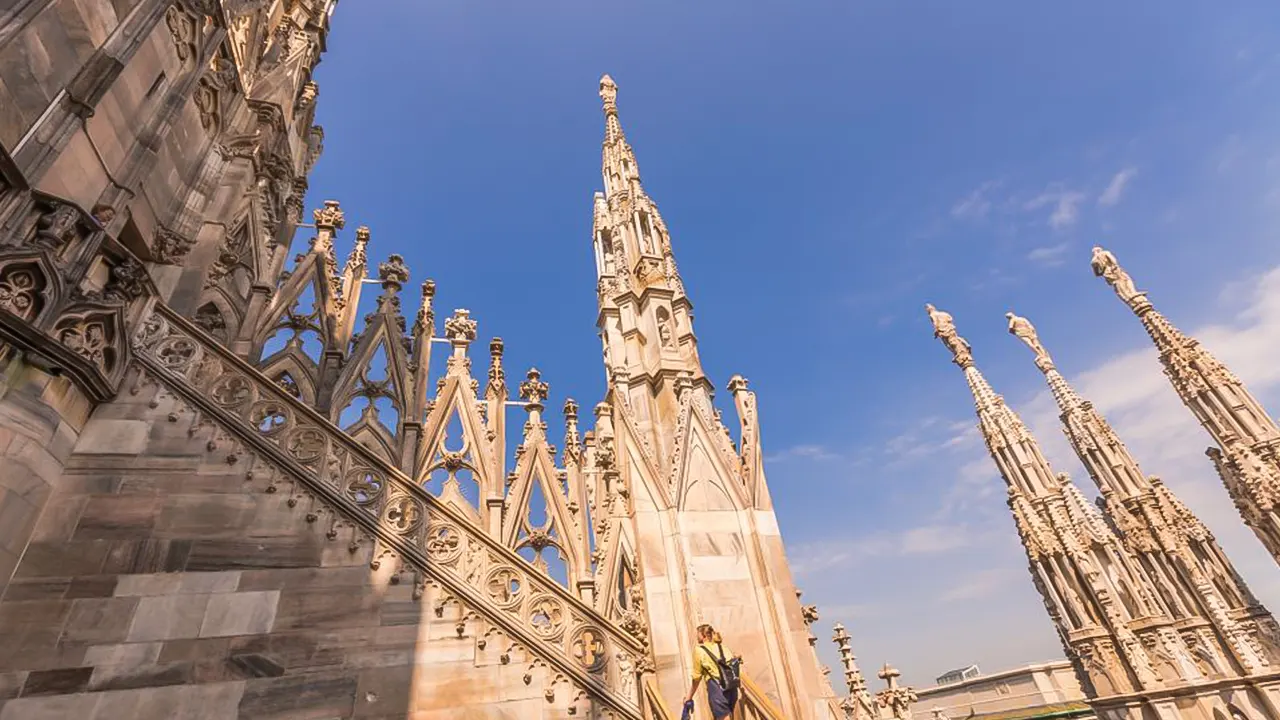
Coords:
1142,596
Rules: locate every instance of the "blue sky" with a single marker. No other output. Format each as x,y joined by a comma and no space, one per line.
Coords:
825,169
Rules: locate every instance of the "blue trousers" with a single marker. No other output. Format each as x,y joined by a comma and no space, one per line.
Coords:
721,701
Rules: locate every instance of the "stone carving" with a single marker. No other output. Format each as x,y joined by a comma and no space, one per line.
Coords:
182,30
208,105
944,328
444,543
128,282
504,586
533,390
1105,266
546,616
895,700
626,674
170,247
404,514
1022,329
364,486
460,328
57,227
588,648
91,337
330,216
20,287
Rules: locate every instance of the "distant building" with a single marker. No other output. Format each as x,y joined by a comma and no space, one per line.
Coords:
960,675
1048,690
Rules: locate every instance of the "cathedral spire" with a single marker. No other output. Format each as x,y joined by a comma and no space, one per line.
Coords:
1012,447
1104,608
1181,559
645,317
1248,436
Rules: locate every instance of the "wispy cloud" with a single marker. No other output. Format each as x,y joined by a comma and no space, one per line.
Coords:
1065,204
1115,189
804,452
1050,255
808,559
976,204
980,585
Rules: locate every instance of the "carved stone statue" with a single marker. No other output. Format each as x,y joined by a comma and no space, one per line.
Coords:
1022,329
1108,268
944,328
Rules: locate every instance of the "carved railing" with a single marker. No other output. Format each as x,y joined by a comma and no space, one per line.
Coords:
654,708
755,705
408,523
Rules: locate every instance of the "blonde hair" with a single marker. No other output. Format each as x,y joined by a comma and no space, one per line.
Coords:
705,631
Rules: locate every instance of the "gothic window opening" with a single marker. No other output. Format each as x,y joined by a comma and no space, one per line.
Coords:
626,579
666,331
156,84
287,382
646,235
606,250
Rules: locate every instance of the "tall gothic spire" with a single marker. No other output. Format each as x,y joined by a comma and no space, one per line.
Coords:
1181,559
646,318
1111,623
1249,438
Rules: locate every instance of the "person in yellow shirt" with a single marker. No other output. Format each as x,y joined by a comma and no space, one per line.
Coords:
708,657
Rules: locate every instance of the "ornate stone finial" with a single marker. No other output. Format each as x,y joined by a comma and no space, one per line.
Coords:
533,390
1106,266
358,256
895,699
425,322
944,328
330,216
609,93
460,329
1022,329
497,375
393,273
571,438
601,409
737,383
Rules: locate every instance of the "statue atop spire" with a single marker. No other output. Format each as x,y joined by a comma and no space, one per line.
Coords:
609,95
944,328
1108,268
1246,435
1022,329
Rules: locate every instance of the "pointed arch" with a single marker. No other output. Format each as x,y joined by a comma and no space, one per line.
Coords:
536,514
294,371
697,466
455,452
286,312
376,369
371,434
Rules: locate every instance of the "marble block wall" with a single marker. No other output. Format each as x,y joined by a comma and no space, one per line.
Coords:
160,582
